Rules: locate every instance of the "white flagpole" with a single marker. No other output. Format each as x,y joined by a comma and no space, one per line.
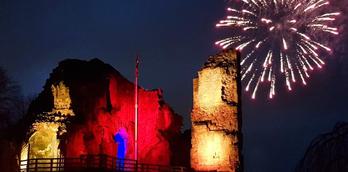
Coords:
136,111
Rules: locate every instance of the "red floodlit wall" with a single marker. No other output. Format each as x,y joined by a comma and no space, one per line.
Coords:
114,111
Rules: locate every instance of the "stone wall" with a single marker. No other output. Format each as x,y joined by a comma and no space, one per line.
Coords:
44,133
100,103
216,115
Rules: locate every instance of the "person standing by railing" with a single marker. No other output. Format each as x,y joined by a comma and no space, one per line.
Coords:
121,139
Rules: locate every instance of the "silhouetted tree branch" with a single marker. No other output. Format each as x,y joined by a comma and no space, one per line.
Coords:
9,99
12,107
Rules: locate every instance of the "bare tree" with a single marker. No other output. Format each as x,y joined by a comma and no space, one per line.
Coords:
10,98
12,105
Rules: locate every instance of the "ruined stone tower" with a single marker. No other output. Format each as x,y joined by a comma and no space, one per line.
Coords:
216,115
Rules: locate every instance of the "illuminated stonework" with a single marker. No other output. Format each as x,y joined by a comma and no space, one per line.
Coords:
62,101
209,92
103,102
214,149
43,143
215,115
24,156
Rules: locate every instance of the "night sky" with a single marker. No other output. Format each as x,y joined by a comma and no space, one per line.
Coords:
173,39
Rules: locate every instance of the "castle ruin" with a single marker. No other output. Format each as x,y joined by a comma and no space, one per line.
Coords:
216,115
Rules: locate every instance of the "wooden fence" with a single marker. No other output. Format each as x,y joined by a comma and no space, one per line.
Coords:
91,163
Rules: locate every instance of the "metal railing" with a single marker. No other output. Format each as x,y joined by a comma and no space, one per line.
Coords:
92,163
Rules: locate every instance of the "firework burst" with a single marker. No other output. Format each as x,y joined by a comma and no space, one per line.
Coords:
282,40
